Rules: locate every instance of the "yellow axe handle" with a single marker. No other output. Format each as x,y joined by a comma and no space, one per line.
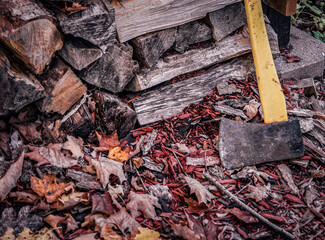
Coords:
271,95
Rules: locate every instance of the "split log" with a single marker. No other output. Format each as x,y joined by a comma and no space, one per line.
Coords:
169,100
96,24
191,33
150,47
78,54
80,124
34,43
62,86
138,17
113,70
226,20
19,88
192,60
113,114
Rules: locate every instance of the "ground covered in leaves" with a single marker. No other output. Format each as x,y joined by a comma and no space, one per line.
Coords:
150,185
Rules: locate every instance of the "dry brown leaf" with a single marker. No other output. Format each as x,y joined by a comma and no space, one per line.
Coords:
49,188
74,145
318,173
251,109
118,154
203,195
147,234
43,234
124,222
241,215
195,207
137,161
29,131
9,180
71,223
185,232
54,222
31,198
108,233
258,193
70,200
94,220
144,203
89,236
36,156
107,142
286,175
135,185
103,204
105,168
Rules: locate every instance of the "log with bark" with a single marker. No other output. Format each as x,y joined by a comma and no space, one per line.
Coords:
96,24
62,86
169,100
138,17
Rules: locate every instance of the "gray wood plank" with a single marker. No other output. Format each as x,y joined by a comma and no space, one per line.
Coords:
192,60
166,101
137,17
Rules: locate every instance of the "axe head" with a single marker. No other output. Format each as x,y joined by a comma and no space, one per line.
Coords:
242,144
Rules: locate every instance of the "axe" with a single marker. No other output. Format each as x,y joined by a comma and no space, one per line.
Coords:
242,144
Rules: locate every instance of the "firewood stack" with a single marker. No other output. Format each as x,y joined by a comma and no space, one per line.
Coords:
72,59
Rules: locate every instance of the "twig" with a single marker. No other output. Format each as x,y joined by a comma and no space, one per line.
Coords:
137,172
247,208
180,165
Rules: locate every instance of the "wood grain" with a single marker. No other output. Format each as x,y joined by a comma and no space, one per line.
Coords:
192,60
138,17
169,100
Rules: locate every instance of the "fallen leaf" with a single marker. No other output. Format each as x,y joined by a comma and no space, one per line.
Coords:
185,232
124,222
291,59
29,131
148,142
105,168
103,204
286,175
248,172
54,222
137,161
203,195
70,200
74,145
49,187
147,234
108,233
43,234
135,185
317,173
195,207
94,220
258,193
144,203
251,109
118,154
107,142
242,215
71,223
31,198
89,236
311,194
9,180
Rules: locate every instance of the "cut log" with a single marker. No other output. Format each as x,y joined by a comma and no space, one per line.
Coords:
192,60
18,88
138,17
113,114
191,33
169,100
80,124
35,43
150,47
78,54
226,20
96,24
113,70
62,86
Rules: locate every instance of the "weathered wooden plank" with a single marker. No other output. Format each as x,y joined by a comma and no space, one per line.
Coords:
226,20
169,100
113,70
96,24
192,60
191,33
138,17
150,47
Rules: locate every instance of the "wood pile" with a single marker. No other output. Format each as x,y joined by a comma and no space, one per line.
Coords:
109,122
